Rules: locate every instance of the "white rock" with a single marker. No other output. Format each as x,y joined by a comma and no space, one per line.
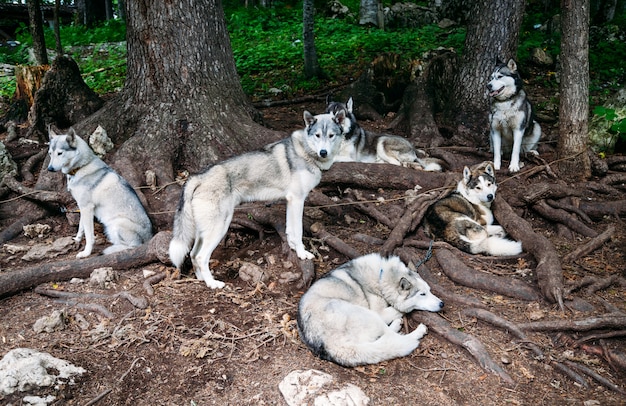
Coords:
317,388
24,369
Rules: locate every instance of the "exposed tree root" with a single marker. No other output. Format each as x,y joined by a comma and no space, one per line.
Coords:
563,217
611,320
441,327
25,278
460,273
597,377
337,243
513,329
549,272
138,302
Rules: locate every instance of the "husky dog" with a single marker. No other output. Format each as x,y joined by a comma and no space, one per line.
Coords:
101,192
464,218
363,146
288,169
513,127
353,314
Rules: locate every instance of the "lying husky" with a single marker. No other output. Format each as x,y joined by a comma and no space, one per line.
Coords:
464,218
353,314
288,169
99,192
513,127
363,146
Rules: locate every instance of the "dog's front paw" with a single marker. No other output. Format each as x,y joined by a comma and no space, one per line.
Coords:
420,331
304,254
497,231
83,254
214,284
515,167
396,325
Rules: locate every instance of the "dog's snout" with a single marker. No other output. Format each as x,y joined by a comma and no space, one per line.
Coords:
323,153
441,305
50,168
489,197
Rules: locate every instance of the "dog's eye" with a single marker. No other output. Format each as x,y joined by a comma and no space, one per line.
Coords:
422,293
331,135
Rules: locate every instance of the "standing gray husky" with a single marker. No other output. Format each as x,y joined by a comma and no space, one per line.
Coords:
513,127
364,146
464,218
101,192
288,169
353,314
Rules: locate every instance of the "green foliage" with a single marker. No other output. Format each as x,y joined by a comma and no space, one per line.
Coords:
267,45
606,126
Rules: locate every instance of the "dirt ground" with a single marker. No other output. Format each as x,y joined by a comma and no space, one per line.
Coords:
195,346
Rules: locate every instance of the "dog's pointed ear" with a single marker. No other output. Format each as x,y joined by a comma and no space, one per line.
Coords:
489,170
340,116
51,132
511,65
349,105
71,137
467,174
329,98
405,284
309,119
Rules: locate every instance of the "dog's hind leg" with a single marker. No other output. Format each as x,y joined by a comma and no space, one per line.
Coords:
209,233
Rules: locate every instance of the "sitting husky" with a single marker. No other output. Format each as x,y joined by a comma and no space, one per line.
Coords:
101,192
464,218
288,169
513,127
353,314
363,146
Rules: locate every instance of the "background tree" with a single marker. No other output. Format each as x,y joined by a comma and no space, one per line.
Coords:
182,106
311,66
492,32
36,30
574,89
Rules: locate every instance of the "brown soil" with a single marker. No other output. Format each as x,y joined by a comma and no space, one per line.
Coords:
195,346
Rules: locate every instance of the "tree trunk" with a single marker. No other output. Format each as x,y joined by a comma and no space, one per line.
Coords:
574,105
182,106
35,20
492,32
311,66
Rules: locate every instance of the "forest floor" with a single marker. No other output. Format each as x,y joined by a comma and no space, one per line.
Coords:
195,346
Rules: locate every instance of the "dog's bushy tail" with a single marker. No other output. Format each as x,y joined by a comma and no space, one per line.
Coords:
184,226
498,246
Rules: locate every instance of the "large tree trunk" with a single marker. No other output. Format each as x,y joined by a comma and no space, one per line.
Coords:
182,106
492,32
574,106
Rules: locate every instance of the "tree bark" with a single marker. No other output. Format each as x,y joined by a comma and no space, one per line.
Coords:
182,106
574,106
492,32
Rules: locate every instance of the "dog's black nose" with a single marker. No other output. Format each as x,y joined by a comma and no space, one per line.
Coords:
489,198
441,305
323,153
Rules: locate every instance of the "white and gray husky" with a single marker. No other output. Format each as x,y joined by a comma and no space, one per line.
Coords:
288,169
464,218
99,192
513,127
353,314
364,146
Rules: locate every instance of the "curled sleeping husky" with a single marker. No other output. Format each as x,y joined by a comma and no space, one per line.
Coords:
99,192
464,218
363,146
353,314
513,127
288,169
